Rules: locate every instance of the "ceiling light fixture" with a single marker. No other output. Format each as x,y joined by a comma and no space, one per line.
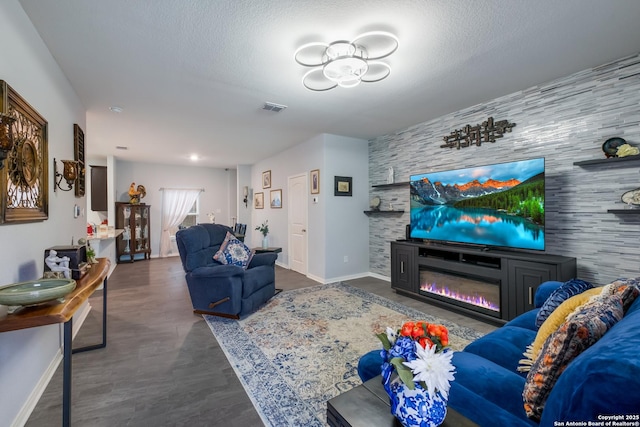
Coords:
116,109
194,157
346,63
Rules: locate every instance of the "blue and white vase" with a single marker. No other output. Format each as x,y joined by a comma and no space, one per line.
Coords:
265,242
415,407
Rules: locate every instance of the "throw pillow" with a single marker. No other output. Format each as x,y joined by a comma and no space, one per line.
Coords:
628,288
557,297
553,322
234,252
582,330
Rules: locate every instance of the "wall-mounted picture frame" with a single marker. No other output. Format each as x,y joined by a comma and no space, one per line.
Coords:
258,200
24,179
276,199
343,186
266,179
315,181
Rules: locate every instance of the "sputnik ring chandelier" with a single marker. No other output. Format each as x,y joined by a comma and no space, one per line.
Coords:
346,63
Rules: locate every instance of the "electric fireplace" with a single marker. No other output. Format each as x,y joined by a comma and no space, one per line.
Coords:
478,294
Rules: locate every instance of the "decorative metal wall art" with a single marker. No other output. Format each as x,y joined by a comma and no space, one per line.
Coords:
78,149
469,135
24,185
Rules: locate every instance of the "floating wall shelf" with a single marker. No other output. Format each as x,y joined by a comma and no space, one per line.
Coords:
395,184
398,212
628,161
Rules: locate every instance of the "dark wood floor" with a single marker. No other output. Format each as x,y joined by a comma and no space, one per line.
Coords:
162,366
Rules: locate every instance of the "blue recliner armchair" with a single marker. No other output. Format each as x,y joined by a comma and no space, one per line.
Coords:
218,289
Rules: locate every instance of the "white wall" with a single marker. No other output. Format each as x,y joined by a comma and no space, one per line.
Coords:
28,67
219,188
337,225
347,227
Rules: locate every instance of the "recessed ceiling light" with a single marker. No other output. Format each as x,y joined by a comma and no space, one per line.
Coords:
194,157
116,109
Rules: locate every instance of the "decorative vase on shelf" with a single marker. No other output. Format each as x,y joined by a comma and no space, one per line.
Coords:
265,242
415,407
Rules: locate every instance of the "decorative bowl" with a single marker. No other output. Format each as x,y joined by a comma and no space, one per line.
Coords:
36,291
632,197
610,146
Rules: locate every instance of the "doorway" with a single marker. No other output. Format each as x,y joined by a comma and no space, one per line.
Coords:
298,223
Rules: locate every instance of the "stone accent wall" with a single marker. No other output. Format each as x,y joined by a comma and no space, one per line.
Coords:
565,121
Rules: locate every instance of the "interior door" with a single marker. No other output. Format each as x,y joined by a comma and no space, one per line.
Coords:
298,223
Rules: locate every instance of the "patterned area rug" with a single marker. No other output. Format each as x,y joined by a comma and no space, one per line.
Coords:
302,348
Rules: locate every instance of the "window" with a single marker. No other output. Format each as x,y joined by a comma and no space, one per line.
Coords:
192,216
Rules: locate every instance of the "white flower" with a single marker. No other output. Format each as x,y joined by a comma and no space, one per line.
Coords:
435,369
391,336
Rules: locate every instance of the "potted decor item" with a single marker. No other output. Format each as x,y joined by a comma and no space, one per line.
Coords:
264,229
417,372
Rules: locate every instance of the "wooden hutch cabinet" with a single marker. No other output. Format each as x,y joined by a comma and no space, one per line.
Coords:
134,243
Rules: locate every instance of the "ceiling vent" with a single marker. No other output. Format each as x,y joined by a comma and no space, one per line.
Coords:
271,106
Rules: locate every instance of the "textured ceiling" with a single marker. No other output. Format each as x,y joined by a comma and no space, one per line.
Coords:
192,75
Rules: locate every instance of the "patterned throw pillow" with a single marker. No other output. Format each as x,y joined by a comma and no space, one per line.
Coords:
582,329
557,297
233,251
553,322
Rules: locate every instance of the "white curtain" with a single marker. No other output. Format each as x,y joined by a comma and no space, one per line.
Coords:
176,204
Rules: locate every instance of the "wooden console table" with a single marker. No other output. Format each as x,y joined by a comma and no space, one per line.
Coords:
54,312
368,406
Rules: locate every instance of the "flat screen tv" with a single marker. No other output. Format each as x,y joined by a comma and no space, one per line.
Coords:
495,205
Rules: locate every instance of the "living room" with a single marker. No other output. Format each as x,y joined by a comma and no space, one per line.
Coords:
564,119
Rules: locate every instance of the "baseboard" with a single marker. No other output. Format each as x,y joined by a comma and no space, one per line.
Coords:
350,277
31,402
316,278
380,276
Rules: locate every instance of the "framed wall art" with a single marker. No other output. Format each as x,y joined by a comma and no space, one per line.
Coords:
276,199
342,186
266,179
24,184
315,181
258,200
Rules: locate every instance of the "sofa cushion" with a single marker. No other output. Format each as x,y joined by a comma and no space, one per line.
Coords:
491,382
579,332
557,297
503,346
480,410
234,252
525,320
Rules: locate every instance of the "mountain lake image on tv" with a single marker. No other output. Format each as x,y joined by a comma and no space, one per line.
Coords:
494,205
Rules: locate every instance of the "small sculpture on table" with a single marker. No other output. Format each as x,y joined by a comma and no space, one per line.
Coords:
58,264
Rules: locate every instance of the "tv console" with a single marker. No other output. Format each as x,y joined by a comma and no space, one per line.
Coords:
512,276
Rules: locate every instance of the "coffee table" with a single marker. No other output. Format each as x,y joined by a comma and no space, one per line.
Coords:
368,406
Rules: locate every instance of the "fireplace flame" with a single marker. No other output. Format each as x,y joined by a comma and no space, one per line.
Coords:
444,291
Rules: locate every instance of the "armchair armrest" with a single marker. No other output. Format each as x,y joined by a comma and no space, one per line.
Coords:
267,258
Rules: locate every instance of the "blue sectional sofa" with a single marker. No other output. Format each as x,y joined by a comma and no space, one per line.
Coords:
600,384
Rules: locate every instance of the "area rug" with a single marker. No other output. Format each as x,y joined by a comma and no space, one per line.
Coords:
302,348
